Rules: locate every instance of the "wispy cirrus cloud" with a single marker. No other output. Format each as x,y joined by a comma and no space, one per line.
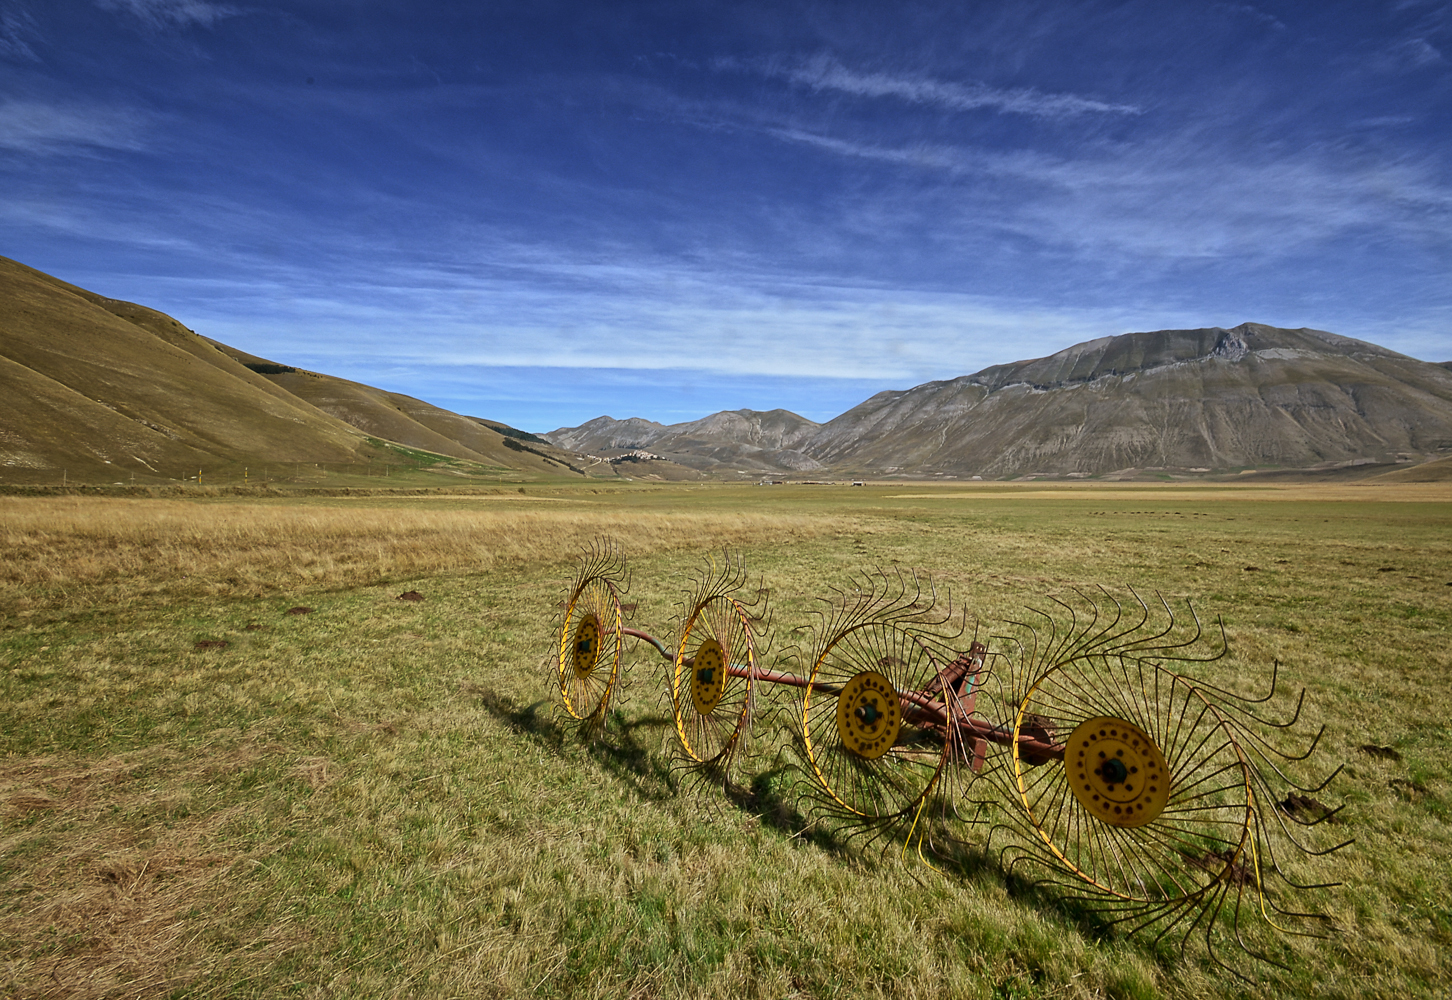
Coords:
1409,54
41,127
158,14
17,30
823,72
1255,13
1168,203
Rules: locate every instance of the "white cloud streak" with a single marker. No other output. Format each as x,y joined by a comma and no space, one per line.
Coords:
1174,202
42,128
159,14
646,315
823,72
17,30
1415,53
1255,13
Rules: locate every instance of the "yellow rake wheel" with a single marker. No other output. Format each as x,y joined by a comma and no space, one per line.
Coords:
1150,797
591,644
1153,803
871,753
713,679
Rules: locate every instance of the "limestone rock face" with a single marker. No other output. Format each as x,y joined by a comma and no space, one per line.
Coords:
1209,399
1193,401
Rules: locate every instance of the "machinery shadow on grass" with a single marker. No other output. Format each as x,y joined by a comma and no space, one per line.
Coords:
622,753
776,796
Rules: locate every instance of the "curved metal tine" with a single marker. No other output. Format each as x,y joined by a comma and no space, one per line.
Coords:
1263,742
1144,616
1287,779
1275,676
1208,934
923,616
1307,823
1289,835
1165,651
1254,953
1297,913
1048,645
1062,646
1330,850
1194,905
1269,848
1104,637
1146,643
1265,898
909,612
1015,666
1247,713
1339,769
1071,645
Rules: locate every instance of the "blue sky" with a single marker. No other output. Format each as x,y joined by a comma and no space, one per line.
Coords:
543,212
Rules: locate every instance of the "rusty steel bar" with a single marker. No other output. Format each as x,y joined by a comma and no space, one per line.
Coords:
659,646
920,707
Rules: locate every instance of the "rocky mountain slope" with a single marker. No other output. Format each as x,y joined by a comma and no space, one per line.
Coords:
1173,401
723,443
94,389
1177,400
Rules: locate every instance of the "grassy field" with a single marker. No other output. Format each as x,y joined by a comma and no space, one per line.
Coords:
374,796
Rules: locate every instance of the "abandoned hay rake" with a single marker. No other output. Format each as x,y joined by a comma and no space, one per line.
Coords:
1079,736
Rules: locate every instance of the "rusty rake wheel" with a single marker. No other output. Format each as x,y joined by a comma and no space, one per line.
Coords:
713,676
1159,812
880,716
588,665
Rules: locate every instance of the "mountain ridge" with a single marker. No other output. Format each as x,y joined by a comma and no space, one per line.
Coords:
730,441
1211,399
99,388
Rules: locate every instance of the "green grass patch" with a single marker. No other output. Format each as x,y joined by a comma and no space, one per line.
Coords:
376,798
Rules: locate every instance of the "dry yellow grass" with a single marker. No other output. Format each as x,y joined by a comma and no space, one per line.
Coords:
112,909
102,550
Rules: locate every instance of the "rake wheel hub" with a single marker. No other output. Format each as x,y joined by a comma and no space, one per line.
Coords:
708,678
868,715
587,646
1117,772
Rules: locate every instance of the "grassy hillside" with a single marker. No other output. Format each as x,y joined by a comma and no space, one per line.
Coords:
409,421
97,390
207,792
1438,471
109,397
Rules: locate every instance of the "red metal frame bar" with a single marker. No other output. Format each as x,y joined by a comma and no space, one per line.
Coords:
951,716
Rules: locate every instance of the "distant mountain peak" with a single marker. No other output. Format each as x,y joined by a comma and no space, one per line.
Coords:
1252,395
729,442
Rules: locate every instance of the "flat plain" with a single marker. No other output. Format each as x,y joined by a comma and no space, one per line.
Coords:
206,791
